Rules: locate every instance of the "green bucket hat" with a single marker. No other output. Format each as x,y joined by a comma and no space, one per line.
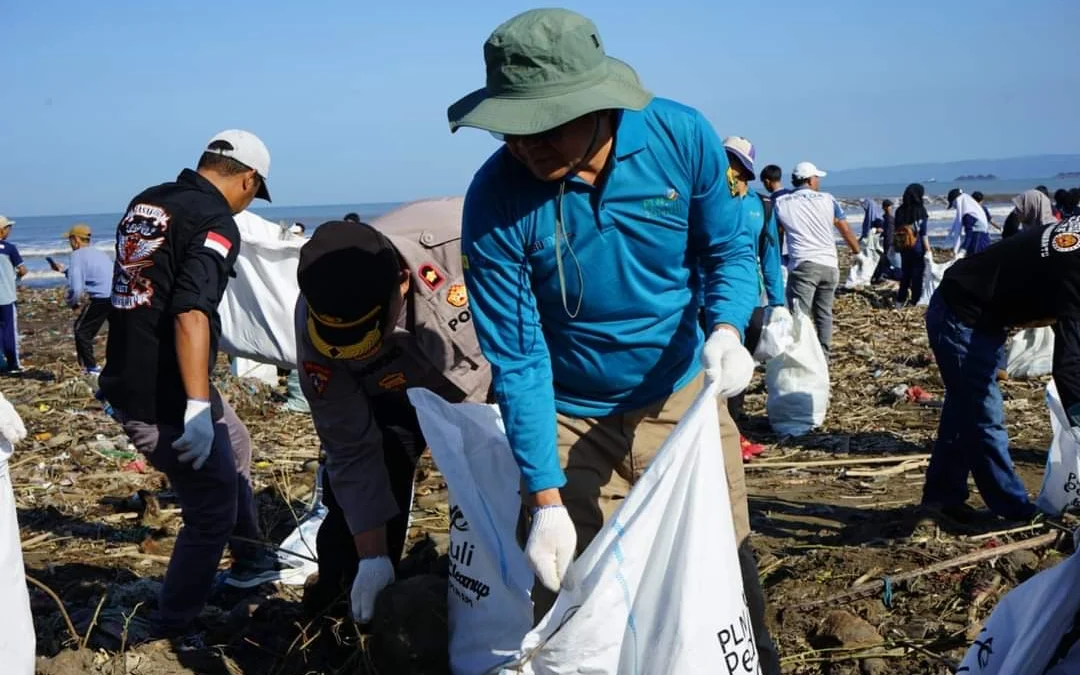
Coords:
546,67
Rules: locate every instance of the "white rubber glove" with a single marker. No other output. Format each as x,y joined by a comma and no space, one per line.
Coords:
551,545
198,437
776,334
372,575
11,425
727,363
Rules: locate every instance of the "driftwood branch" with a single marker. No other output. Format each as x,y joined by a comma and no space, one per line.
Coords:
899,459
871,587
59,603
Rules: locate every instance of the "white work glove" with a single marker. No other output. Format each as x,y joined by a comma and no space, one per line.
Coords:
11,425
372,575
198,437
551,545
727,363
777,334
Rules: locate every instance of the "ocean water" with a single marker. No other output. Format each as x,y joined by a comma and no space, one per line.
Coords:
38,237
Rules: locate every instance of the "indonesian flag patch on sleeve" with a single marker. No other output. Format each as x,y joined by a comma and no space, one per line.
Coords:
218,244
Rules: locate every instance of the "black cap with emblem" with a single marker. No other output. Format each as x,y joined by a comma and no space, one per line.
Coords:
348,274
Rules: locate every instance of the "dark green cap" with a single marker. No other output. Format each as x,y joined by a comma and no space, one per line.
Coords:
546,67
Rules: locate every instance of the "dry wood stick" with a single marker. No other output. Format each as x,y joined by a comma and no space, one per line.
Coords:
60,604
899,459
977,556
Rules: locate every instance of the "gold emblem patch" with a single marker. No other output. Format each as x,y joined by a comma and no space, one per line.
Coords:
456,295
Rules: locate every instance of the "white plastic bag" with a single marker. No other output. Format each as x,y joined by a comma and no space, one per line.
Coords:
798,383
17,639
1026,627
490,610
932,277
298,552
1061,482
1031,353
258,305
776,334
659,589
864,264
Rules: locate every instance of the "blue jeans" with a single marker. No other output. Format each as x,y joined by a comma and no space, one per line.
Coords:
971,435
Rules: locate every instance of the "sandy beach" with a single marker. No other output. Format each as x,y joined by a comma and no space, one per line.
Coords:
833,513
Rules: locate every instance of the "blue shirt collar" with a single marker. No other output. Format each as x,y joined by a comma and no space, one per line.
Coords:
631,135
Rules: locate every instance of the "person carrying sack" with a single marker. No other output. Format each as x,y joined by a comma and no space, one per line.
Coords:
599,183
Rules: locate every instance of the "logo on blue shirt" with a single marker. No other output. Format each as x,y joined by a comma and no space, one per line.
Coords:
668,204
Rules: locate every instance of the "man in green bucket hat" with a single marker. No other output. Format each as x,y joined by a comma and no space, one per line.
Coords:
582,237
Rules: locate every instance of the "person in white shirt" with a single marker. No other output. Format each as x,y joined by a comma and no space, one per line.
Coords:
808,217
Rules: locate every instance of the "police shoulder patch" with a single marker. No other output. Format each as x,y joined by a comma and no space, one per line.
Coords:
431,276
318,375
1065,242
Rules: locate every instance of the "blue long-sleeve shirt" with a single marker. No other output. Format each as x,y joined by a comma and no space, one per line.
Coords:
767,244
768,250
89,271
630,248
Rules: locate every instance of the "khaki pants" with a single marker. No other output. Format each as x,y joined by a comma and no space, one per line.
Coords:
603,457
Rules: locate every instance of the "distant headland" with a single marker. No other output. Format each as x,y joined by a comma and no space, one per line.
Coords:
976,176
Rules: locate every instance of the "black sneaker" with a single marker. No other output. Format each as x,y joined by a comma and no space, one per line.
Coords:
251,573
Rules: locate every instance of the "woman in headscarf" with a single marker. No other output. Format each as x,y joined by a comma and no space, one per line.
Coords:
872,217
970,227
910,240
1033,209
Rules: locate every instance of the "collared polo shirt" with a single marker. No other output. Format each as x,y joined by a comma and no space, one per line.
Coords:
627,333
809,221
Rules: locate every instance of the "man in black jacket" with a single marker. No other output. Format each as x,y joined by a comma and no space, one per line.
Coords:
175,250
1030,279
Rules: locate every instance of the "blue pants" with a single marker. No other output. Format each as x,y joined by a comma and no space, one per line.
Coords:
9,330
971,434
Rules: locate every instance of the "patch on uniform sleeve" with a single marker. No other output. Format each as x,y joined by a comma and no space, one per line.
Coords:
456,295
218,244
1065,242
318,374
393,382
431,276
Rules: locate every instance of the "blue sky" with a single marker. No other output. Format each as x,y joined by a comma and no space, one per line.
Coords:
102,99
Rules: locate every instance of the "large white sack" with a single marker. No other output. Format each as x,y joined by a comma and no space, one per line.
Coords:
798,383
1061,482
490,610
263,372
1031,353
17,639
932,277
658,590
776,334
257,308
1024,631
864,264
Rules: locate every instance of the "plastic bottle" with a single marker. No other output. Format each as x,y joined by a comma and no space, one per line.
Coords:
100,395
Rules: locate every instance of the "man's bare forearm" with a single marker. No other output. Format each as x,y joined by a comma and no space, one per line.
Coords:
848,235
193,353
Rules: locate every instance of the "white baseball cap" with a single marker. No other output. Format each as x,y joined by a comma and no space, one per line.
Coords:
5,222
744,150
805,170
246,148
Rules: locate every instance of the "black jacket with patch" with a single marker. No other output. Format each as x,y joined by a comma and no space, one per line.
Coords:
175,250
1030,279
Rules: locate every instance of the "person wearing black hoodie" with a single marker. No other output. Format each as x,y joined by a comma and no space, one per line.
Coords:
910,240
